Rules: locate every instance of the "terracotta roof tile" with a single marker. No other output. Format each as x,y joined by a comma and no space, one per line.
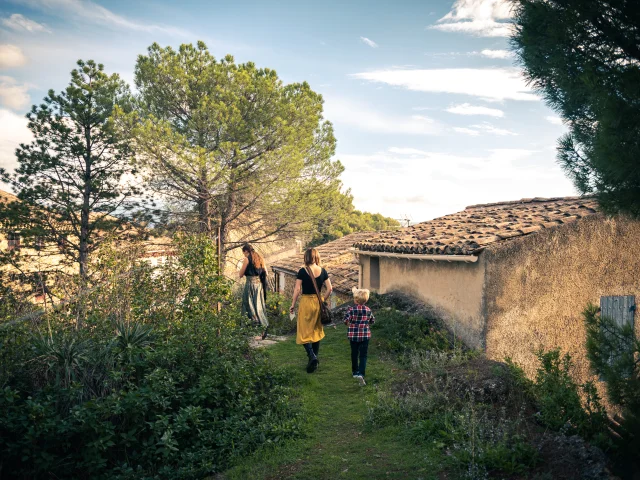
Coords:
477,226
336,257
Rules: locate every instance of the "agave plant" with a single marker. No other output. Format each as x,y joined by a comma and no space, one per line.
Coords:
131,338
64,355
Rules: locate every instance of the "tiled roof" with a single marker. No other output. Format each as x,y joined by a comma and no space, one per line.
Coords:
337,258
7,197
477,226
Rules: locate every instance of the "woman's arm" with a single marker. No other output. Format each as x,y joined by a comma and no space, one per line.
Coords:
327,282
243,268
296,294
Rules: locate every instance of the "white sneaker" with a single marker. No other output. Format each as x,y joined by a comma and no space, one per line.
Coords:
361,381
355,375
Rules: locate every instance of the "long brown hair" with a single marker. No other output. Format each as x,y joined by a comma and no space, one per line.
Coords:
312,256
254,257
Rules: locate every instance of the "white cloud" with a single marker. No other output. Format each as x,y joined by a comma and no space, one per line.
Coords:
22,23
430,183
14,132
341,111
368,42
484,18
13,94
486,83
11,56
90,11
467,131
468,109
553,119
497,53
407,151
476,130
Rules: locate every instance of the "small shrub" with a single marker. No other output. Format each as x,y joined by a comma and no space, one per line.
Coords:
278,314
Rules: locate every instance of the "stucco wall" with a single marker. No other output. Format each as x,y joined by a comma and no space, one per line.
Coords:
537,287
454,289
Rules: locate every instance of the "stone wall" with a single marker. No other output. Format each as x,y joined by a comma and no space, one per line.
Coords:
454,289
537,287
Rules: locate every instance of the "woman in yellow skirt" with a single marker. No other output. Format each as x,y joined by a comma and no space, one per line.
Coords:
310,330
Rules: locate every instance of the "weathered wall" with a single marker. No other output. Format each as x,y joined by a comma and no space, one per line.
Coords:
537,287
454,289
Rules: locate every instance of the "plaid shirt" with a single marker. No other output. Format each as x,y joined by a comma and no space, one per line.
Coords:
359,317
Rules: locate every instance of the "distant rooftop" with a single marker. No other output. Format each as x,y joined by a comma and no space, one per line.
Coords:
337,258
477,226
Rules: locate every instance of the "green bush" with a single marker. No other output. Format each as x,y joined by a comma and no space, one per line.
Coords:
613,353
278,314
401,334
156,385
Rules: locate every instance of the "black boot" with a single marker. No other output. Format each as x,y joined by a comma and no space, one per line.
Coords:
264,334
313,360
316,348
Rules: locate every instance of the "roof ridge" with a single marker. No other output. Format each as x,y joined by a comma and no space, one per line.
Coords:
528,200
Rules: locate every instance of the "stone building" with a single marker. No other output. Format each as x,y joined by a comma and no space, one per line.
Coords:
338,259
514,277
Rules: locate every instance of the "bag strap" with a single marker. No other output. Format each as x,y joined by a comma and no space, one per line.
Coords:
315,285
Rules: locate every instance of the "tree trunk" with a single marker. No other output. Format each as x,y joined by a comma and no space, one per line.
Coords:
83,241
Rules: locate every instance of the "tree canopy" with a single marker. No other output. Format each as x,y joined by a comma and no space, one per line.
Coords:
76,173
584,57
345,219
242,150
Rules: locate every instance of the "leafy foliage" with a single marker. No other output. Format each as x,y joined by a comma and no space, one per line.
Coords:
613,353
584,57
342,219
141,394
559,402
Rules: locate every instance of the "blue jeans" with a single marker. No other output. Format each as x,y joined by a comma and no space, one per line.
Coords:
359,349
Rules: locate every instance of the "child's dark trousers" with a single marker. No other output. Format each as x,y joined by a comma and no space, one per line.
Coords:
359,351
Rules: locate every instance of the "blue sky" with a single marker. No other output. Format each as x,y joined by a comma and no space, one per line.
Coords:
430,112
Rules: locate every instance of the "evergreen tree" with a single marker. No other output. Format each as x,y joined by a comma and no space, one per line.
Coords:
584,58
76,175
237,149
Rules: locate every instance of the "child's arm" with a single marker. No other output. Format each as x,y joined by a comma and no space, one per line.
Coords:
348,317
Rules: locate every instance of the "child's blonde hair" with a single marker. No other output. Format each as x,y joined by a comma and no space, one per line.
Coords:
360,295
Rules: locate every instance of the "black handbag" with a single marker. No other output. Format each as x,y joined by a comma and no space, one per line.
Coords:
325,311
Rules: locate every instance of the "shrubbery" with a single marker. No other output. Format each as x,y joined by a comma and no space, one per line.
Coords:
157,385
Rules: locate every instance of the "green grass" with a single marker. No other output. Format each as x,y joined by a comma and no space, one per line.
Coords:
336,442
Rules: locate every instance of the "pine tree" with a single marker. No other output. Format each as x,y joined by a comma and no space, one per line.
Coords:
583,56
236,148
74,180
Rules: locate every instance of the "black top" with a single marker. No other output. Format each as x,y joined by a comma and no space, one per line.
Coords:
307,286
252,271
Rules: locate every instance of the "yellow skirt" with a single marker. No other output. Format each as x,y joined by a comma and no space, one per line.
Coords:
309,326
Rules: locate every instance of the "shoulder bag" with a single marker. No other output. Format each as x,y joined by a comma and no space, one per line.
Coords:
325,312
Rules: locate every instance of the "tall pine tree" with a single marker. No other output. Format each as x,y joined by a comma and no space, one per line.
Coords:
238,149
584,57
75,180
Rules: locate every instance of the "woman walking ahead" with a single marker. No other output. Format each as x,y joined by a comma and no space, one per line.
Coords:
254,296
310,330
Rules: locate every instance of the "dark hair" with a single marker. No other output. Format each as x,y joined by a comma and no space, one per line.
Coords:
312,256
254,257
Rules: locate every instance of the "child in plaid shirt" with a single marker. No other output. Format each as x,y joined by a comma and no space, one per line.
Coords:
358,318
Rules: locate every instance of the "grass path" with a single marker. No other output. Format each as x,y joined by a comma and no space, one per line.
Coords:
336,443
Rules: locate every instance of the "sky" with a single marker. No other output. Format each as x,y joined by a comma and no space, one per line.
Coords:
430,109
